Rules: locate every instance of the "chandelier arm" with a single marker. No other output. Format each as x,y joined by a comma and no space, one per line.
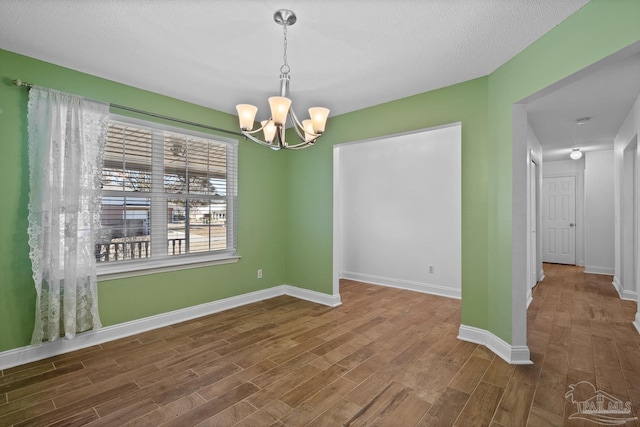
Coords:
251,132
300,129
254,139
280,135
295,120
301,145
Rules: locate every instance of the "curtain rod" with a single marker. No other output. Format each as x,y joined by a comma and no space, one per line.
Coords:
20,83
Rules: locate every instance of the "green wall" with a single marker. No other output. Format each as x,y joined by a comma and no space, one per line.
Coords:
596,31
311,180
286,229
261,236
484,107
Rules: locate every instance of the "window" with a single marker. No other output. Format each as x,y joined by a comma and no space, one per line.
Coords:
168,198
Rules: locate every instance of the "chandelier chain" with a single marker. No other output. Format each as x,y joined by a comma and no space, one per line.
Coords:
285,67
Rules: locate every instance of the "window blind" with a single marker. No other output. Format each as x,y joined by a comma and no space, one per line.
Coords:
166,194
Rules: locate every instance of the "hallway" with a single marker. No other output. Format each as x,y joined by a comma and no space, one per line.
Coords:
580,330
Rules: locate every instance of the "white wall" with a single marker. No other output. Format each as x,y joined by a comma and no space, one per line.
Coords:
627,134
599,213
627,222
534,153
573,168
400,211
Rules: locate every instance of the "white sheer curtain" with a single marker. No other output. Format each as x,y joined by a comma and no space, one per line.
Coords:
67,136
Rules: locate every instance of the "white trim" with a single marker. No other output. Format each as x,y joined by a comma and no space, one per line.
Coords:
623,293
636,322
27,354
541,275
514,355
529,299
162,265
520,240
594,269
617,285
425,288
313,296
337,219
394,135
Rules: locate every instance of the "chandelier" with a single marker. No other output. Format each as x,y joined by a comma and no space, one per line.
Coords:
273,129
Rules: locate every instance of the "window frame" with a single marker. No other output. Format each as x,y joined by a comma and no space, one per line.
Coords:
150,265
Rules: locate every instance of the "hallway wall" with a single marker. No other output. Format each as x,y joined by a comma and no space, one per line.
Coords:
399,210
629,130
599,218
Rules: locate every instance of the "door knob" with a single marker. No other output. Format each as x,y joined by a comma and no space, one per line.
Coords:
571,224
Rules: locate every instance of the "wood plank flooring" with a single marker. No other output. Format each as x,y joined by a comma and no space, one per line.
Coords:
386,357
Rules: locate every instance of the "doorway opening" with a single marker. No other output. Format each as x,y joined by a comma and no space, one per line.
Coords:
522,257
397,211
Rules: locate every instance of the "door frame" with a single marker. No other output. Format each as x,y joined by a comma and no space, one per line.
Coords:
631,150
534,259
519,202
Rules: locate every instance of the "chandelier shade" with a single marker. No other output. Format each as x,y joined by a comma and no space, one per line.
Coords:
319,117
273,130
279,109
247,115
269,128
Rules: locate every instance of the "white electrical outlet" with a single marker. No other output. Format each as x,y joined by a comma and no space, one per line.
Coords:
431,269
260,274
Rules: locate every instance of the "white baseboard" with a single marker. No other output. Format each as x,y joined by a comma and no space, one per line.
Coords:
529,299
636,322
541,275
27,354
514,355
594,269
617,285
444,291
313,296
624,293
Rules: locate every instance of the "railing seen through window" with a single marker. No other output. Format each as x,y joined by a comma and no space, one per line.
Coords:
165,194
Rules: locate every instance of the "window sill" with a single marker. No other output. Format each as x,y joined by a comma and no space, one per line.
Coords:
126,269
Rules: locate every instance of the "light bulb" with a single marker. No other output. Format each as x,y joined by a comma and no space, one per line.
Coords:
576,154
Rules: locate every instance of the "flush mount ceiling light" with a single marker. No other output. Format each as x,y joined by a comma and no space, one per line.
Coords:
576,154
274,128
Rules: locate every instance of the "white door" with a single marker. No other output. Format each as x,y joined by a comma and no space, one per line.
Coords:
559,220
533,217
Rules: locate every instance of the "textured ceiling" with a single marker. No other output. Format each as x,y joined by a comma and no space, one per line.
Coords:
605,96
345,55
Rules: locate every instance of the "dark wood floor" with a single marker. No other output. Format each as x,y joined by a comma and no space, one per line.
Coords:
385,357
